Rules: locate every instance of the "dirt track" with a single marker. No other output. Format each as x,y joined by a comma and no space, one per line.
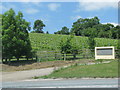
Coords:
22,75
28,74
36,69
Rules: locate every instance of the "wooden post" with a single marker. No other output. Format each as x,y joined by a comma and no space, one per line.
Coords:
64,56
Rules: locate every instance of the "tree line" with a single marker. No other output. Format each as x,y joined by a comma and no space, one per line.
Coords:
88,27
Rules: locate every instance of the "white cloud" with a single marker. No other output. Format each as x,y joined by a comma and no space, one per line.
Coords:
75,17
90,5
53,6
30,4
32,11
115,24
7,6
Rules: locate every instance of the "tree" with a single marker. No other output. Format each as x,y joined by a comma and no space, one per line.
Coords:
91,43
64,31
15,37
118,37
47,32
32,32
68,46
1,36
80,25
38,26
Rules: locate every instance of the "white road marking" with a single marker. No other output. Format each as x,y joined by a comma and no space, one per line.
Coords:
95,86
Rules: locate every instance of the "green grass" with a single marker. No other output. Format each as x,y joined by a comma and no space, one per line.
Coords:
51,42
103,70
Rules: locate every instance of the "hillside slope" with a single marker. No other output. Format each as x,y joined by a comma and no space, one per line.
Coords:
51,41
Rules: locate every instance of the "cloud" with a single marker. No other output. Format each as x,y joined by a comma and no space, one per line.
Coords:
7,6
115,24
91,5
30,4
31,11
75,17
53,6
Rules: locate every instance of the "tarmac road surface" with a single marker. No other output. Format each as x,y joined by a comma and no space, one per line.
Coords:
63,83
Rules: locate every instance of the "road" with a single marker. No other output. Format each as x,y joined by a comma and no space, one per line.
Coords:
63,83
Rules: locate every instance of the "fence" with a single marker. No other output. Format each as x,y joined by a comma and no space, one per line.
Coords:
57,55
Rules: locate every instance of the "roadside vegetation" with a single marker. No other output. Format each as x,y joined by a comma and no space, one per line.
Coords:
101,70
31,65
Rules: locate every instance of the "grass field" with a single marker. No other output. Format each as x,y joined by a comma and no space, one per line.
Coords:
103,70
51,41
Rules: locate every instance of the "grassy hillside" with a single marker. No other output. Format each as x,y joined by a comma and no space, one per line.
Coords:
51,41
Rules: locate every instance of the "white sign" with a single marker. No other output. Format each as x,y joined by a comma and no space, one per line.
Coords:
104,52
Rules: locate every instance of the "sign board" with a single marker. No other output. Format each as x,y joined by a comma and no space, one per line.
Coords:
104,53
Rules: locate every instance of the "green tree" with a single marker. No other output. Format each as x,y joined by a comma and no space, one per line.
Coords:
64,31
80,25
0,36
47,32
32,32
68,46
15,37
92,43
38,26
117,29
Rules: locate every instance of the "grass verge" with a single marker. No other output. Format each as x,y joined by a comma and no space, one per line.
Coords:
103,70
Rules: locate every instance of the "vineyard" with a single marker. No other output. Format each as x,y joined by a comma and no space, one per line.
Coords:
51,42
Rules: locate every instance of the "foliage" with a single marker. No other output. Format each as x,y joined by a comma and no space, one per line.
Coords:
15,36
91,43
38,26
80,25
47,32
118,36
51,42
68,46
65,45
64,31
84,27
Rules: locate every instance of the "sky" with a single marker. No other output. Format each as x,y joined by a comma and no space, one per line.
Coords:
56,15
